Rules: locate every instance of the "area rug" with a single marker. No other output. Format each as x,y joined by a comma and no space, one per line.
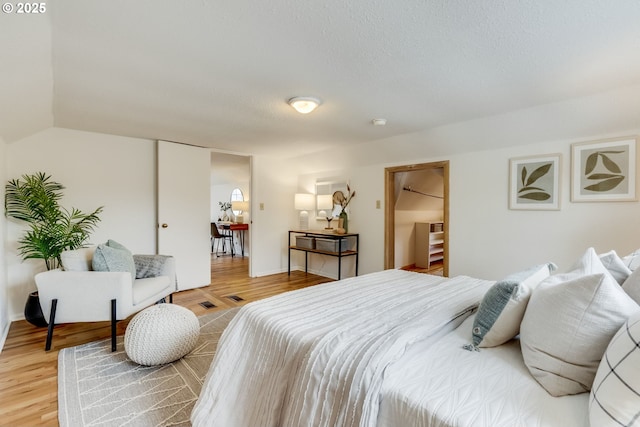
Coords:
97,387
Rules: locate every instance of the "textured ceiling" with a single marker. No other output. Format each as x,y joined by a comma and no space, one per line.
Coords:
218,74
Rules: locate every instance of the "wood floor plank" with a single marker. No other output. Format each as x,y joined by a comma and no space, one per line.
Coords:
29,375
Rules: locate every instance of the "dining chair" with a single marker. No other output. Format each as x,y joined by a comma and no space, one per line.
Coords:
216,237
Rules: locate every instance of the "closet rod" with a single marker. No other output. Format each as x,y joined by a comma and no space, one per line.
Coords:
420,192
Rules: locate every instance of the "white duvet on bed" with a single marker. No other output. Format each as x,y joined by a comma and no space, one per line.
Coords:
444,385
317,356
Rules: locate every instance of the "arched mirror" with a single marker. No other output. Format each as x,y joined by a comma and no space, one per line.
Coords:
236,196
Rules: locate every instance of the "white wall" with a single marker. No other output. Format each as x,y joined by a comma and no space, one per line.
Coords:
4,302
97,170
368,188
489,240
274,184
486,238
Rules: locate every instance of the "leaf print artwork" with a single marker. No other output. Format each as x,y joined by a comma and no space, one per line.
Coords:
534,182
605,181
528,190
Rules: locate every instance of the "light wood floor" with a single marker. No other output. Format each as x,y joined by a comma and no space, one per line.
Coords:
29,375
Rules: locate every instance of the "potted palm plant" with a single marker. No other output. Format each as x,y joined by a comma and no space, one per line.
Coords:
52,229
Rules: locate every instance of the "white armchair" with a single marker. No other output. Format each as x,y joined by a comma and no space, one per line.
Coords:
95,296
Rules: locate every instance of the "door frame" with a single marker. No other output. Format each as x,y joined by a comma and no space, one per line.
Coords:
390,216
251,198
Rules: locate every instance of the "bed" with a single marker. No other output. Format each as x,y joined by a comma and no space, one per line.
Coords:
395,349
443,385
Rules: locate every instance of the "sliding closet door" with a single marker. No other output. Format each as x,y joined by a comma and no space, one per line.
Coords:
184,211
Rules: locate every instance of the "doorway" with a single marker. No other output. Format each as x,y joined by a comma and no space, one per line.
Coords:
230,187
393,189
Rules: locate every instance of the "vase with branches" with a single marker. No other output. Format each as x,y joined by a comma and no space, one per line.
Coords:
224,207
344,218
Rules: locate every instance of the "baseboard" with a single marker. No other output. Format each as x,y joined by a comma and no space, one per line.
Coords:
3,337
316,272
269,273
297,268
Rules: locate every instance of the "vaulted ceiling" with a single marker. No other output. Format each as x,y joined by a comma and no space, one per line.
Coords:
218,74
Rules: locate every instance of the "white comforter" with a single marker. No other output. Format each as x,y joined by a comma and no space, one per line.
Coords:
317,356
443,385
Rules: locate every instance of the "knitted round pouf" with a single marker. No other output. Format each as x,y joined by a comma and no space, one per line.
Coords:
161,334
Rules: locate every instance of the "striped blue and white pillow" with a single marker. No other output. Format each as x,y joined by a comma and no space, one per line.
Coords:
502,308
615,395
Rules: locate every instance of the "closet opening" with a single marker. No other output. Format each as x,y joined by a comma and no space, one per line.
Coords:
417,217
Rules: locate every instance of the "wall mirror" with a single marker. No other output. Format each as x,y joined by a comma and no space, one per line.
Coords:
338,191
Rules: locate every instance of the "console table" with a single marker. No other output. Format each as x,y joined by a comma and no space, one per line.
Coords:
339,252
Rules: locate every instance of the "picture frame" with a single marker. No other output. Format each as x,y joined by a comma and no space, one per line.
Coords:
534,182
604,171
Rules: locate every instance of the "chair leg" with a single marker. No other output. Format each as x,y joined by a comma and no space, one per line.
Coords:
113,325
171,298
218,247
52,319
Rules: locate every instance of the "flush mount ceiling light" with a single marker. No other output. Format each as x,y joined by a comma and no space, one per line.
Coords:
304,104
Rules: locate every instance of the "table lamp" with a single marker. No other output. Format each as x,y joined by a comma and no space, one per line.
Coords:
304,203
240,206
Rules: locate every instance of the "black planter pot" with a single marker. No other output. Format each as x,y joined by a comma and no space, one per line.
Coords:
33,311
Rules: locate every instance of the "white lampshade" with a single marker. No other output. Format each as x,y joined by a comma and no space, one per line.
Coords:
303,202
325,201
304,104
240,205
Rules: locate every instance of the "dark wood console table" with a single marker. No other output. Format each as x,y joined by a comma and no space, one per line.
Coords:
321,234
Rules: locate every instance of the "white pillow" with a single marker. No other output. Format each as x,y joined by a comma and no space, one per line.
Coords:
614,264
632,285
615,396
632,261
78,259
502,307
568,324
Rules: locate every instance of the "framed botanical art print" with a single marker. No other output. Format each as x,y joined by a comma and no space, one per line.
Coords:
604,171
534,182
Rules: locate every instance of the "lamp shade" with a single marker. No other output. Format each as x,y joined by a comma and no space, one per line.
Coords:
240,205
303,202
325,201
